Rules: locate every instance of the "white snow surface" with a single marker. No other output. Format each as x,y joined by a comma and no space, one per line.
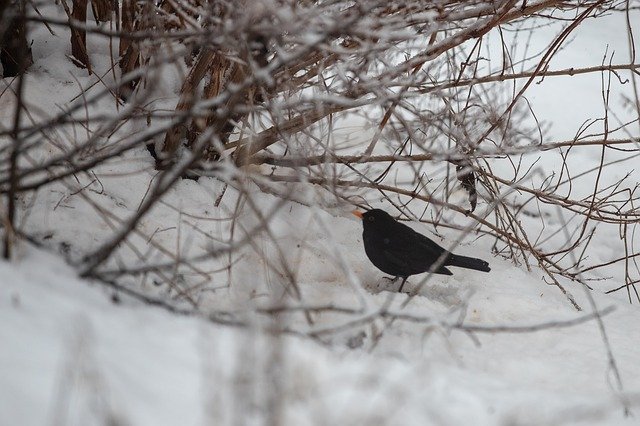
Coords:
72,354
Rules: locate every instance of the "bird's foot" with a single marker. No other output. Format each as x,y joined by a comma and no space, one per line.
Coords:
404,280
394,279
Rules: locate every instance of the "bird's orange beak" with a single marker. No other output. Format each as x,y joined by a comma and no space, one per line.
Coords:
357,213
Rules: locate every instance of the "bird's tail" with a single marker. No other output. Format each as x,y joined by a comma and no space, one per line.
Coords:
468,262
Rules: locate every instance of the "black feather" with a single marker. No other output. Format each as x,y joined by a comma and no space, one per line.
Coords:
398,250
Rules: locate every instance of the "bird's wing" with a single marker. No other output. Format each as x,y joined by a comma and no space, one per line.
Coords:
412,251
399,263
413,262
415,241
434,249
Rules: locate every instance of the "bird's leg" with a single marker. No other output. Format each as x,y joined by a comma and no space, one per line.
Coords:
391,280
404,280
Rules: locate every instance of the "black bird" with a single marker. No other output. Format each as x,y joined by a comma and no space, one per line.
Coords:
398,250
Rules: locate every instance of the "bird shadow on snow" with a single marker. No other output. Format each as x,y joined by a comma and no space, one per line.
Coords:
448,292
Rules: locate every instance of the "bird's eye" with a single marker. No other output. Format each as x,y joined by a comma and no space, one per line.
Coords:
371,218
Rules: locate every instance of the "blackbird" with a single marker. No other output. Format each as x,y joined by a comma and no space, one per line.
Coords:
398,250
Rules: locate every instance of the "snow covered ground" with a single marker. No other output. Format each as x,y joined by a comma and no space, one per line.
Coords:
76,352
72,356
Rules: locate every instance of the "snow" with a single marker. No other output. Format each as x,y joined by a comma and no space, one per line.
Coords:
147,366
72,352
68,349
77,352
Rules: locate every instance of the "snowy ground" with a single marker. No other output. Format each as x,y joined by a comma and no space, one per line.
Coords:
81,359
72,353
